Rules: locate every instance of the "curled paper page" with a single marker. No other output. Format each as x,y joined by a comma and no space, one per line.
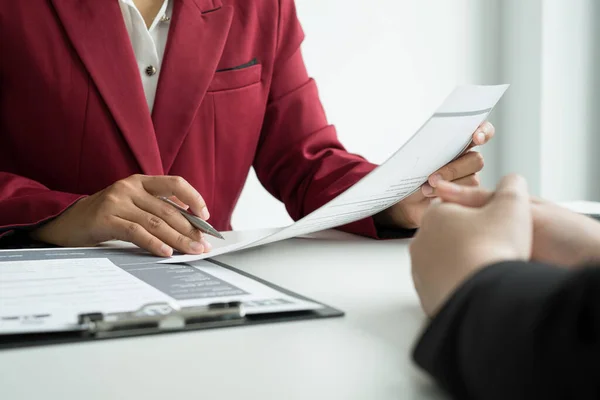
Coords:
443,137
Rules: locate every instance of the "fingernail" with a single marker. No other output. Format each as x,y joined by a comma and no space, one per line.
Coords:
207,246
427,189
480,138
433,181
204,214
196,246
166,250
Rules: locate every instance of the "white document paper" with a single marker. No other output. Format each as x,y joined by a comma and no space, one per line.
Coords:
257,297
48,294
440,140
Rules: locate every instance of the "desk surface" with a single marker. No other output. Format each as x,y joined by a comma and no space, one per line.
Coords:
365,355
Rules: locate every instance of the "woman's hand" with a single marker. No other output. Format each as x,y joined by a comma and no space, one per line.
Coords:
462,171
129,210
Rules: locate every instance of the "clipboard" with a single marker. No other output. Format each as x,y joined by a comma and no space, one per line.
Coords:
160,318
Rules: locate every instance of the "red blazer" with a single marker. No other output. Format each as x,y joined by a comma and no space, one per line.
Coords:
74,119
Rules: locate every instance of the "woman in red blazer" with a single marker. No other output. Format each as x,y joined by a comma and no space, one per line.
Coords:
82,157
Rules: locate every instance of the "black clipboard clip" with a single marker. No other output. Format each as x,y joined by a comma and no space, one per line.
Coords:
158,317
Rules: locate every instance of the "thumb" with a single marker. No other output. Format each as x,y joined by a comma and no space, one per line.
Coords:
511,199
463,195
509,216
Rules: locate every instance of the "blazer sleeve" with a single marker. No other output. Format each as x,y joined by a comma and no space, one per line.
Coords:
300,160
25,203
518,331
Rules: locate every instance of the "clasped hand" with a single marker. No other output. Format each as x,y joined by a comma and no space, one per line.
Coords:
472,228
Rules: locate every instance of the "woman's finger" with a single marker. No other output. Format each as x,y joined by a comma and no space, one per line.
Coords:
177,186
468,164
483,134
132,232
167,213
160,229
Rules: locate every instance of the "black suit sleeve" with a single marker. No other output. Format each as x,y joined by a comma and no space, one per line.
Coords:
518,331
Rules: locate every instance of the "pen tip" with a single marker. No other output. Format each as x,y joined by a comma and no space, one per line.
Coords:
216,234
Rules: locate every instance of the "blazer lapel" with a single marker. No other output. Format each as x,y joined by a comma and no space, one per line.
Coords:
99,36
197,37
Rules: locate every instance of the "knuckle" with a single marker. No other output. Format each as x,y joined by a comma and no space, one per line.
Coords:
104,219
451,173
180,241
131,229
195,234
515,184
104,223
515,178
154,222
111,199
167,211
178,181
511,195
120,186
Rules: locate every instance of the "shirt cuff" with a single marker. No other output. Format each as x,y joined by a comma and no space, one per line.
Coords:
394,233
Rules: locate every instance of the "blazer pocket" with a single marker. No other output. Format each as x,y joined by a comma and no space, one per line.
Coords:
236,78
250,63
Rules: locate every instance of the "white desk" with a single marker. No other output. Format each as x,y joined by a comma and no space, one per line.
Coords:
365,355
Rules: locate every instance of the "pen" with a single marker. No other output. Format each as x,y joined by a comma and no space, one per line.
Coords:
198,223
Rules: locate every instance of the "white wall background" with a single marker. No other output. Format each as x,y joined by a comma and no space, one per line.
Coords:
382,66
549,51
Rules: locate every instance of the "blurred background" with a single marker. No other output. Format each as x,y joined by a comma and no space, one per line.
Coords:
383,66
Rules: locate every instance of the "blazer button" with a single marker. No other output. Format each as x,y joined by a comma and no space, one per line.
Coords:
150,70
